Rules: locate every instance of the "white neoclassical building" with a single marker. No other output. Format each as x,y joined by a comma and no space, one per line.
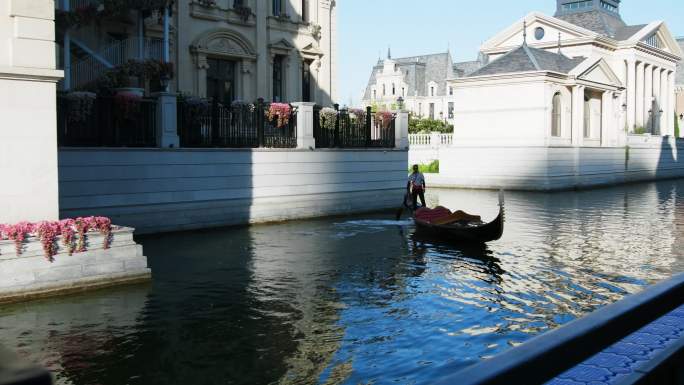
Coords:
582,77
558,89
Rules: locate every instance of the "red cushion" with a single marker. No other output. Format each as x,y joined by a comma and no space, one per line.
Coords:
429,215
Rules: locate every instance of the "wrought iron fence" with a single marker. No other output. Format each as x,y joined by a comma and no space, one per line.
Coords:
105,121
204,123
353,128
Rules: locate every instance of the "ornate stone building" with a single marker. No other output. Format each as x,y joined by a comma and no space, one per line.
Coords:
281,50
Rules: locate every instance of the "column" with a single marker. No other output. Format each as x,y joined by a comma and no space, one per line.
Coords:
167,57
167,130
631,94
28,137
657,101
401,131
67,52
648,98
607,123
640,95
305,125
672,101
141,36
263,77
577,115
664,101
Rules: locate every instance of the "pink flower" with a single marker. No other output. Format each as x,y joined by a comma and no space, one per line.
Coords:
280,112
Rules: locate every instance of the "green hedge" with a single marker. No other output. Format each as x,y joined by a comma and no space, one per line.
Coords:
429,125
432,168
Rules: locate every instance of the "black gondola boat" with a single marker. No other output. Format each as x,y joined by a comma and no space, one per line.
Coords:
465,231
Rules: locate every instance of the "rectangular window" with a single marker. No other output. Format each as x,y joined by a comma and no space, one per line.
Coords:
238,3
451,110
420,109
278,67
432,91
277,7
306,81
432,110
305,11
451,90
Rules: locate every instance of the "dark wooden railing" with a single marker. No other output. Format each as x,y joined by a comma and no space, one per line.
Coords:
106,121
353,128
206,124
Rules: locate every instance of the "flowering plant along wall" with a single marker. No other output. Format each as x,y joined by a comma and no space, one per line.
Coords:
73,232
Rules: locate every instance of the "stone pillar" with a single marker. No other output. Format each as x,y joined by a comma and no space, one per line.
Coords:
435,139
648,97
606,119
28,133
664,101
631,94
167,126
577,115
639,121
672,101
305,125
401,126
657,101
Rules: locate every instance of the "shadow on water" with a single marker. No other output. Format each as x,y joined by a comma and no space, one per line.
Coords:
356,300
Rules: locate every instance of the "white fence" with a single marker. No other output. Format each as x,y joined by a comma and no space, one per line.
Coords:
434,139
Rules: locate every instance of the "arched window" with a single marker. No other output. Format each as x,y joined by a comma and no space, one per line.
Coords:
384,90
394,89
556,117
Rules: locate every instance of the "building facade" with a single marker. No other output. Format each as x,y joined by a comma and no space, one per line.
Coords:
279,50
573,100
421,81
679,88
583,77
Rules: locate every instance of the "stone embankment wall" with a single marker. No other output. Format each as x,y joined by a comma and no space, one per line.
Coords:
645,158
29,275
156,190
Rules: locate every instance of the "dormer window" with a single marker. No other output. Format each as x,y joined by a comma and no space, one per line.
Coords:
654,41
432,91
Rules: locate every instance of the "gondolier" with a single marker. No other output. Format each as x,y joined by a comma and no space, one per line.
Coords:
416,186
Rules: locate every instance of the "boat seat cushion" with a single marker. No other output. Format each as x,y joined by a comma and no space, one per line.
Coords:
443,216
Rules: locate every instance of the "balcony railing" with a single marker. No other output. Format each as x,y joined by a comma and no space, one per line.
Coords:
353,128
106,121
206,124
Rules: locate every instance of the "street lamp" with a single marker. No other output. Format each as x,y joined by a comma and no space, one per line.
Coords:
400,103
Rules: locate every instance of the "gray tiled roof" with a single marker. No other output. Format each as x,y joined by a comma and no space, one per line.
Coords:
624,33
466,68
418,72
597,21
680,65
525,59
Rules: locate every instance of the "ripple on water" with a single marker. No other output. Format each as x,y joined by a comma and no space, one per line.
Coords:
359,300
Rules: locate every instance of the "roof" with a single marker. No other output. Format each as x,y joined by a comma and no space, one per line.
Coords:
418,72
526,59
626,32
597,21
465,68
680,66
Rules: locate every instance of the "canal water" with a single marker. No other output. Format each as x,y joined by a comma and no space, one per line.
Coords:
356,300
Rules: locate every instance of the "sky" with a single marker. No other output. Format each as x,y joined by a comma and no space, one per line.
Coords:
366,28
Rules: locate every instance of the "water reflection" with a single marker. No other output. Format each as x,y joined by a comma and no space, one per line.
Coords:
357,300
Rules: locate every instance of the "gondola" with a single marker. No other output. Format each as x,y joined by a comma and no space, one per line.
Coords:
441,223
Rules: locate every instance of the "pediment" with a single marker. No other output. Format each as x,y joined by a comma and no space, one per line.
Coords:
224,42
312,50
658,36
281,44
597,71
513,36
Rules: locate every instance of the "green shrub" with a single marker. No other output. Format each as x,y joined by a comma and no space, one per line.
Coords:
432,168
676,125
639,130
429,125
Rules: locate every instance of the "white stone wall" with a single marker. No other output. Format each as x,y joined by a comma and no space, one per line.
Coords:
551,168
164,190
28,133
29,274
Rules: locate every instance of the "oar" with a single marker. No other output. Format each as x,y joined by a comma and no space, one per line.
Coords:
401,209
